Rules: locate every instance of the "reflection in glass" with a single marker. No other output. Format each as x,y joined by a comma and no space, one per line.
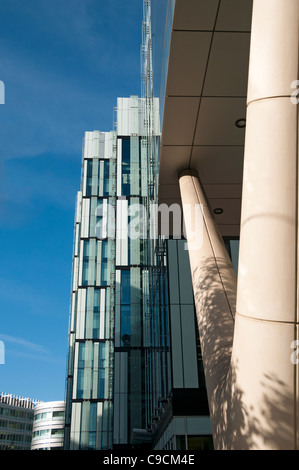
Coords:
126,167
106,178
102,364
89,178
104,263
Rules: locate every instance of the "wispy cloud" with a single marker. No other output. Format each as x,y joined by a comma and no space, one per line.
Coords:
27,350
28,345
64,74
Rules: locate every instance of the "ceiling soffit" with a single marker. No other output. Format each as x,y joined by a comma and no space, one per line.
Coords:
206,93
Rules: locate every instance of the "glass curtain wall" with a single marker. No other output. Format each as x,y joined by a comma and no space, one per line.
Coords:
89,391
110,331
132,312
130,289
157,360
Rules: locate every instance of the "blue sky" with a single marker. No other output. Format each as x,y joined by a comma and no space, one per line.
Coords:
63,64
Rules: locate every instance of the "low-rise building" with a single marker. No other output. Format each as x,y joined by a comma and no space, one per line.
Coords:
48,426
16,422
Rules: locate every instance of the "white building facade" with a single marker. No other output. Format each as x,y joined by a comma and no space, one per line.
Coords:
48,426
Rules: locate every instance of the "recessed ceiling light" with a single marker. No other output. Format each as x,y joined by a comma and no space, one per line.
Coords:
218,211
241,123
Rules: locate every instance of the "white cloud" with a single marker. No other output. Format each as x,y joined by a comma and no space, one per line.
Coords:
23,343
26,350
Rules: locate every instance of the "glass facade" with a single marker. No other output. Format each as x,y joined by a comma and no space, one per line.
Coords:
131,288
109,317
232,246
162,12
89,403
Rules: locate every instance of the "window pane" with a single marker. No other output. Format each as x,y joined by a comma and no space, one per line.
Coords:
200,443
58,414
125,287
102,371
126,167
93,417
180,443
125,325
57,432
234,249
106,178
89,178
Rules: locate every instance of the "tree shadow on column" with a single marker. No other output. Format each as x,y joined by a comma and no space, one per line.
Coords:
235,425
243,427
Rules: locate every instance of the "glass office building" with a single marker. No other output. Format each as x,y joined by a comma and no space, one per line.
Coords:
109,310
134,370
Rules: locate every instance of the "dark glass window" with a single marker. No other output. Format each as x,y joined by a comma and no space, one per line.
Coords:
96,313
180,443
232,246
104,264
125,287
126,167
80,379
93,417
85,263
89,178
92,440
125,325
125,311
106,178
99,219
58,414
101,382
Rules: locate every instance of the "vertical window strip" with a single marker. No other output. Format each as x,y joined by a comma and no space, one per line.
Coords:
95,177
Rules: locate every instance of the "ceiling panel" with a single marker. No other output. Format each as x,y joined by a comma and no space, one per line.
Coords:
218,165
223,77
195,14
229,230
234,15
172,160
205,95
216,121
170,191
179,120
218,191
188,57
231,210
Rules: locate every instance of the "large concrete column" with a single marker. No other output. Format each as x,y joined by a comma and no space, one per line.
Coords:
214,286
266,321
253,392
